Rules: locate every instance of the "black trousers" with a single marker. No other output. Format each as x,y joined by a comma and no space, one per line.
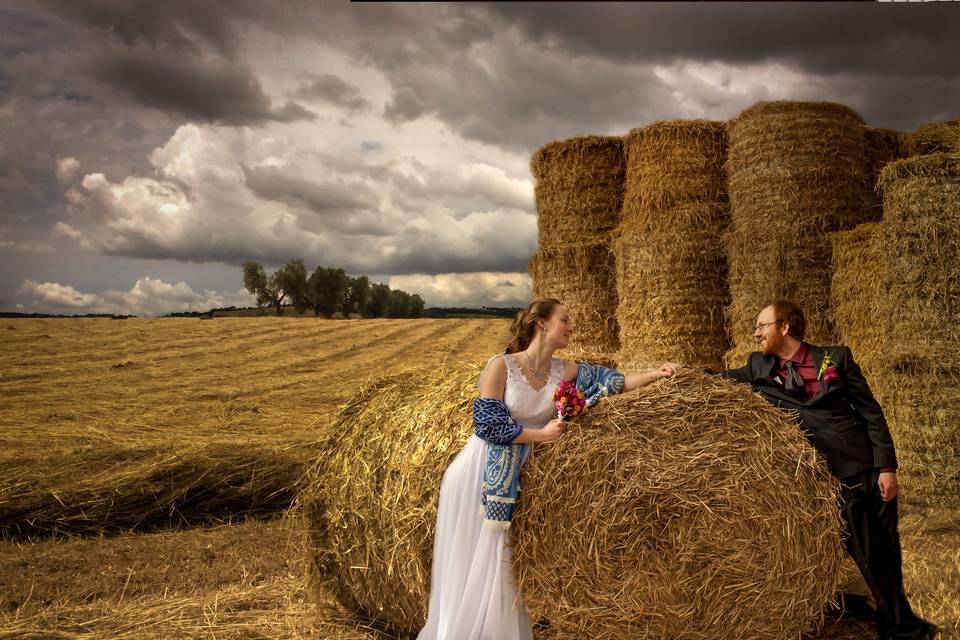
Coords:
874,543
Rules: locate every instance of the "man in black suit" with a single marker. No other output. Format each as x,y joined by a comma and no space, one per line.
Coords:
844,422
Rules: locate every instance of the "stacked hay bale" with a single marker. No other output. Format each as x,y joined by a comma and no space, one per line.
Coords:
690,509
939,137
671,270
880,147
796,173
854,295
579,193
920,237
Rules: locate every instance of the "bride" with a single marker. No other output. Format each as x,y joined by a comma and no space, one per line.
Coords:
472,594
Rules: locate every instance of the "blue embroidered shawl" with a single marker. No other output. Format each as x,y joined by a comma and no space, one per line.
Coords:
493,423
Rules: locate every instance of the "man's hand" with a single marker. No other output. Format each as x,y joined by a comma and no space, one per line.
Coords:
888,485
667,370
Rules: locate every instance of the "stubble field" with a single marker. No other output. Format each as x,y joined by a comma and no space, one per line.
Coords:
145,466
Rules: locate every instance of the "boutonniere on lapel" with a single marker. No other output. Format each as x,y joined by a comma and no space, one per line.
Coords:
828,373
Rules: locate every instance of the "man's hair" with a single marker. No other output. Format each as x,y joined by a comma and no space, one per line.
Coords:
786,311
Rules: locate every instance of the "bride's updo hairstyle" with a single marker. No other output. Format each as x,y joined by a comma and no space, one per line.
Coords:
525,324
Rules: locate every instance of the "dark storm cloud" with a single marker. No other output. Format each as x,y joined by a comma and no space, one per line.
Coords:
206,90
824,37
333,89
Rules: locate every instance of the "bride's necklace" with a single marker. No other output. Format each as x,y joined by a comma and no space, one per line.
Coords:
537,373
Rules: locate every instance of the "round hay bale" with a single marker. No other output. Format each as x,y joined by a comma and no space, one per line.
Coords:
582,275
671,271
797,172
692,509
855,294
689,509
920,236
579,188
939,137
370,499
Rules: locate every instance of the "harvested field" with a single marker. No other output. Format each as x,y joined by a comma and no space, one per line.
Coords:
68,412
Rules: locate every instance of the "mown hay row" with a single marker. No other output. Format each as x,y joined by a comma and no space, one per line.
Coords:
583,277
938,137
670,263
157,489
579,189
693,509
796,172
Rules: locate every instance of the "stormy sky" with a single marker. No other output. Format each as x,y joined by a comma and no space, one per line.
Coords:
148,148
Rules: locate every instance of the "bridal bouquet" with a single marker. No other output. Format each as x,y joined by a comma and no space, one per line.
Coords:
568,400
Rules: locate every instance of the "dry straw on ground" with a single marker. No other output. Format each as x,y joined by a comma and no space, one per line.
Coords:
671,271
939,137
583,277
692,510
579,190
796,173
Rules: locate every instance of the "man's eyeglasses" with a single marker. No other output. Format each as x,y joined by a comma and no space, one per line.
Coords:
760,326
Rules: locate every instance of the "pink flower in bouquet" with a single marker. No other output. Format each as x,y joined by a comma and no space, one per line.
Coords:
830,375
568,400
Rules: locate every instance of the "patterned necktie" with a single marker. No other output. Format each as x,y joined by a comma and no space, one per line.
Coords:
794,383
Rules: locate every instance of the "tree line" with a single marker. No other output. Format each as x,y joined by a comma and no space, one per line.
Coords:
326,291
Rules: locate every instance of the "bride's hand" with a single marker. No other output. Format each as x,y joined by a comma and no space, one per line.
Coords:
668,370
552,431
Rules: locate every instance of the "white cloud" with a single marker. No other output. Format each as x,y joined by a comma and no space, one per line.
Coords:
147,297
67,169
468,289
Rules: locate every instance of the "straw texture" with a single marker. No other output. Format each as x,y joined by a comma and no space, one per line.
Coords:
671,270
579,188
796,172
938,137
920,238
691,510
582,275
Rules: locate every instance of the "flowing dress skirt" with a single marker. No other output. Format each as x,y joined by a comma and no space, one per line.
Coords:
472,592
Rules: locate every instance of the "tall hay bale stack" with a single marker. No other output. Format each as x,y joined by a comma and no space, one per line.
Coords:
938,137
691,510
671,269
579,193
920,236
796,172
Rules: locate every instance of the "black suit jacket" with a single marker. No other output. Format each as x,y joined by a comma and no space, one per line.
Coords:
843,421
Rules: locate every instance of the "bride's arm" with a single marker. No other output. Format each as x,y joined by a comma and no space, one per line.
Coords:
631,380
492,382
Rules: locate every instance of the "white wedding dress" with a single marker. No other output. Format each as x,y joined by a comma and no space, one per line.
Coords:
472,592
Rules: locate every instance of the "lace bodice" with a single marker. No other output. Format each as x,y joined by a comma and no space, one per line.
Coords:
528,406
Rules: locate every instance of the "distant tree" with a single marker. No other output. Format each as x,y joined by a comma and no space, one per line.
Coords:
397,304
267,290
358,291
291,279
416,306
325,290
378,303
